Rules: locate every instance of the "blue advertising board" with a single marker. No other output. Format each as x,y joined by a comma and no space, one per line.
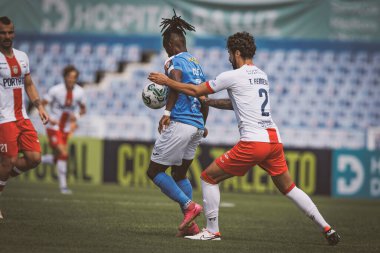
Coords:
356,174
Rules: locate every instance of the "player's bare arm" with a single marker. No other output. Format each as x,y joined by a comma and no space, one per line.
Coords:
188,89
31,90
224,104
172,99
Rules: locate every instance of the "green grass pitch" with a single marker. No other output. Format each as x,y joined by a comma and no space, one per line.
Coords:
110,218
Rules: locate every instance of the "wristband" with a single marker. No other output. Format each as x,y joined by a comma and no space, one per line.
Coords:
167,113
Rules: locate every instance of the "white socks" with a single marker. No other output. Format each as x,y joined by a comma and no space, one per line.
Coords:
47,159
211,201
62,171
303,201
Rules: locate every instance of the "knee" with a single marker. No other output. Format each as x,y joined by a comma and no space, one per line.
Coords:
178,175
7,163
151,174
35,162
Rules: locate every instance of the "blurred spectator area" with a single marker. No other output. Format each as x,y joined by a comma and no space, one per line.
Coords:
323,94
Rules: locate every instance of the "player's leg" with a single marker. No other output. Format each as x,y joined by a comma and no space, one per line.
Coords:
179,174
6,164
210,179
30,160
283,181
29,145
48,159
9,134
156,172
61,158
168,151
51,159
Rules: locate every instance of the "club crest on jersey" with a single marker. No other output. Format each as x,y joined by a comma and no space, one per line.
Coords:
15,70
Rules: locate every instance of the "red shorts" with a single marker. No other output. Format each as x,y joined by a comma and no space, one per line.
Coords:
56,137
244,155
18,136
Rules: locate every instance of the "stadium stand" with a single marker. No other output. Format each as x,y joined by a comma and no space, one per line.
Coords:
323,94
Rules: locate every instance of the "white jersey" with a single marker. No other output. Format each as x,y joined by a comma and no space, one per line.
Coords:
12,78
248,89
63,105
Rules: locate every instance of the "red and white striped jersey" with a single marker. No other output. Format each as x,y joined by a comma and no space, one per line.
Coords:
12,78
64,104
248,89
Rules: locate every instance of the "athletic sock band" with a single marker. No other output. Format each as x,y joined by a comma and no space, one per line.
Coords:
17,170
207,179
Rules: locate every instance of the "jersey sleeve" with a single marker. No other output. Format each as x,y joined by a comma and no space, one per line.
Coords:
27,65
221,82
178,63
49,95
82,98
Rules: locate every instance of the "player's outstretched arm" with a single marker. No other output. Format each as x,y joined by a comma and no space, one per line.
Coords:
31,90
224,104
188,89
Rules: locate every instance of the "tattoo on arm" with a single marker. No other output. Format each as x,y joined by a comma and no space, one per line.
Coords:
224,104
37,103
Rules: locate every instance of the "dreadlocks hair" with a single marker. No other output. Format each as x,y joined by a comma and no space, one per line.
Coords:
175,25
244,42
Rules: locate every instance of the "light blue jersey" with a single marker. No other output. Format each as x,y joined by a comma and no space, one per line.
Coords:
187,108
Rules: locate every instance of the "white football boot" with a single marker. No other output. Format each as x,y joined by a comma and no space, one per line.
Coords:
205,235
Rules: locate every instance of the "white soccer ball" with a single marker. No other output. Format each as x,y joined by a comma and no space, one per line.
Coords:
155,95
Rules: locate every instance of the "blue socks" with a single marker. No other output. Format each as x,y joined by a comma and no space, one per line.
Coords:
169,187
186,187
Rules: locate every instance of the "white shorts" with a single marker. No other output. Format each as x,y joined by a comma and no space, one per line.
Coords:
178,141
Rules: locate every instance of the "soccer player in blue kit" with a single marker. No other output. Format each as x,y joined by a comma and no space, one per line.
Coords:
181,127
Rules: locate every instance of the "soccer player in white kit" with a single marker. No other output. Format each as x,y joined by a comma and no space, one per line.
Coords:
67,104
16,130
260,142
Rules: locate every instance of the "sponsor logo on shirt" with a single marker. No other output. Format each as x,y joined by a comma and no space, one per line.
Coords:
13,82
67,107
193,59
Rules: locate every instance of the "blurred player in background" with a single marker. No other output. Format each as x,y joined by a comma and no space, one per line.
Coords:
181,127
16,130
67,104
260,142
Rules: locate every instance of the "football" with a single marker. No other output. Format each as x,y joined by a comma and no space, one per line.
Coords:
155,95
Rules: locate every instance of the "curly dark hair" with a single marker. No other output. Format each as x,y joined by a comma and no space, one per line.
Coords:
174,25
244,42
68,69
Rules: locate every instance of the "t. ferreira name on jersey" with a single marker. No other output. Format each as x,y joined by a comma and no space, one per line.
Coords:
13,82
261,81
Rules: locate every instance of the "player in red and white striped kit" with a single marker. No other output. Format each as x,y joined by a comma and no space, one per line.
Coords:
16,130
260,142
67,103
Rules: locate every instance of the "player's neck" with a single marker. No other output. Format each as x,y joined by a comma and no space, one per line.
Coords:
8,52
241,62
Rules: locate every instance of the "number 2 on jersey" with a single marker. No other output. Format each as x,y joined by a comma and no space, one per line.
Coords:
261,92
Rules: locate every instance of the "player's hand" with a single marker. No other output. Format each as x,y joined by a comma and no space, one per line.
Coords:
43,115
158,78
203,100
53,122
205,133
164,123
